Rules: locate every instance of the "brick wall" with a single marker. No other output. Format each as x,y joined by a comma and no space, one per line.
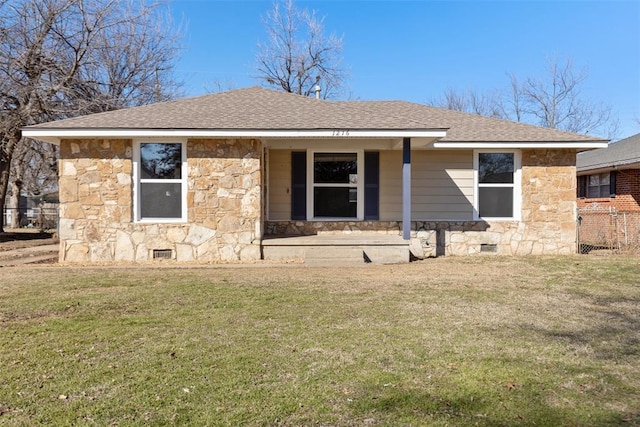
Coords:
627,193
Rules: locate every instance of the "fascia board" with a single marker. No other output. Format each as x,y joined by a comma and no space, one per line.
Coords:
55,135
527,144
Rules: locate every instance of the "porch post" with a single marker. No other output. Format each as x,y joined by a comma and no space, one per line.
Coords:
406,188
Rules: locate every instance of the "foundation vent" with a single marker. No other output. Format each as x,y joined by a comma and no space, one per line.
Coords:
162,253
489,248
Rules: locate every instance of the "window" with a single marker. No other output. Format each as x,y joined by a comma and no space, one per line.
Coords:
160,179
597,185
497,176
336,185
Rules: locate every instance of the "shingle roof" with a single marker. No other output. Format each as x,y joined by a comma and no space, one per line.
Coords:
622,153
257,108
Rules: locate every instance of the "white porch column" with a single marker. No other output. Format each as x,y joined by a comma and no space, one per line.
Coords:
406,188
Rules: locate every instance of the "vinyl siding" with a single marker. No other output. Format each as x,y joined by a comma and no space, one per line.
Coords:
442,185
279,188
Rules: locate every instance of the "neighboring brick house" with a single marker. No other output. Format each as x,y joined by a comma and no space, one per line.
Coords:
609,194
217,177
610,176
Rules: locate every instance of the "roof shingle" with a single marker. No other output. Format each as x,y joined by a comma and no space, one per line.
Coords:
622,153
257,108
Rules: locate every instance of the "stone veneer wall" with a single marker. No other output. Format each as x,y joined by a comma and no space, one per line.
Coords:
547,226
223,199
549,202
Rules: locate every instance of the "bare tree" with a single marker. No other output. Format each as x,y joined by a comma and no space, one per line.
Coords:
555,101
298,55
63,58
219,85
452,99
470,102
511,103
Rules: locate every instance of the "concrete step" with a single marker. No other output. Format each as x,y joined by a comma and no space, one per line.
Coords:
336,249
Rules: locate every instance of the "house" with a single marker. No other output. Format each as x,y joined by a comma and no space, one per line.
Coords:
610,176
234,176
609,194
34,210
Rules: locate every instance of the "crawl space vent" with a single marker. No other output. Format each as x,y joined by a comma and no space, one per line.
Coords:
162,254
489,248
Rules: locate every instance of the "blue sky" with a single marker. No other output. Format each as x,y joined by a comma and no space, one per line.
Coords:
415,50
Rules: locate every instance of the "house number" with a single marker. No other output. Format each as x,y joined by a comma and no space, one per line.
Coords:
340,133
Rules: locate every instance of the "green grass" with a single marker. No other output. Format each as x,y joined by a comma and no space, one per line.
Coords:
485,341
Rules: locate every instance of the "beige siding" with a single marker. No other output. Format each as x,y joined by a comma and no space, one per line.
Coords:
279,188
442,185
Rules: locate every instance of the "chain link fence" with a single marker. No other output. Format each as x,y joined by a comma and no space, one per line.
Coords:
608,229
40,218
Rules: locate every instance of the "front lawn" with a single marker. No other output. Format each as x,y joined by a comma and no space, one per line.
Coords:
485,341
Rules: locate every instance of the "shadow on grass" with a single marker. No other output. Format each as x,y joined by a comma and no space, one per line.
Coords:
614,332
466,408
12,236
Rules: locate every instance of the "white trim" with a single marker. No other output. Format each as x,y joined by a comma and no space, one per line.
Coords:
55,135
339,143
136,182
515,145
517,185
359,185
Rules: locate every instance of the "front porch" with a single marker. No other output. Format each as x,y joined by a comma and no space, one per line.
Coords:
337,249
427,239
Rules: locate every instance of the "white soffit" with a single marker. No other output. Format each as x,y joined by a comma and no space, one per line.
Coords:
55,135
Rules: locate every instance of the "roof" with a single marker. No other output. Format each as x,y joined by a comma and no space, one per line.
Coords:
622,154
257,111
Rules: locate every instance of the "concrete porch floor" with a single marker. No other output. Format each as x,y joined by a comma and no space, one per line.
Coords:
337,249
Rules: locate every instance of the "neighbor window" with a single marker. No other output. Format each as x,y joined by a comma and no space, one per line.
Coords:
160,181
497,185
336,185
597,185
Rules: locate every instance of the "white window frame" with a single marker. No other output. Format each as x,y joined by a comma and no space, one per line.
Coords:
359,185
517,185
137,180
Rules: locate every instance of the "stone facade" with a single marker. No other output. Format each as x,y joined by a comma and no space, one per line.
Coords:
223,203
548,202
547,226
312,228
